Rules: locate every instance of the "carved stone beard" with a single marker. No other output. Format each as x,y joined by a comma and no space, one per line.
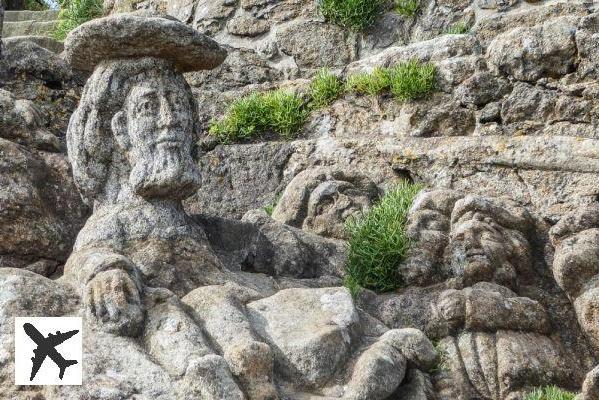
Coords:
164,171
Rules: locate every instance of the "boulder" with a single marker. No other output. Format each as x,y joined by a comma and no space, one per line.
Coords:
311,331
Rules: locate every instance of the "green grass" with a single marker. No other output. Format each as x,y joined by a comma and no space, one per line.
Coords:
279,112
459,28
373,83
378,242
406,81
407,8
324,89
75,13
284,113
352,14
550,393
412,80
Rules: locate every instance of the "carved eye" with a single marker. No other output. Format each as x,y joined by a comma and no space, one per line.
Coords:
146,106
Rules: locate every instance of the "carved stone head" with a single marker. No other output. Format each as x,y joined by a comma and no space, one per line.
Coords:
487,242
322,199
132,134
469,238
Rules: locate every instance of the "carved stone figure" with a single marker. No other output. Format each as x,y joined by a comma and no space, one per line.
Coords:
468,239
576,265
144,271
497,344
321,199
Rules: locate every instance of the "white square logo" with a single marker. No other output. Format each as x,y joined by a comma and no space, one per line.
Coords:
48,351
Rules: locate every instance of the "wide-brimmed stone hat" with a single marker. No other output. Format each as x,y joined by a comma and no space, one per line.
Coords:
141,34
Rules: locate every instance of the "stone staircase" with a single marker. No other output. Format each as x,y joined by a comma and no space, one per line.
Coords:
28,23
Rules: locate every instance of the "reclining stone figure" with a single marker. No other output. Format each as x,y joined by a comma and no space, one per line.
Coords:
142,272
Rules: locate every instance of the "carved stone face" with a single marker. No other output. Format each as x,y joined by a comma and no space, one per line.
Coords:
331,203
322,199
155,127
468,238
482,249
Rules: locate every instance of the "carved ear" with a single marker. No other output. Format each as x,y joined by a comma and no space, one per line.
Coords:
119,129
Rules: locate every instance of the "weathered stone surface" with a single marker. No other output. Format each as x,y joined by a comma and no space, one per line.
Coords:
125,36
488,28
247,26
528,54
41,210
334,47
310,330
21,121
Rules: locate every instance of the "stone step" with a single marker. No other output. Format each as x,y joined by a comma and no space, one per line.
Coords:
26,28
16,16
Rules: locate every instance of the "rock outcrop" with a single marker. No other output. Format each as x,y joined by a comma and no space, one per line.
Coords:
234,255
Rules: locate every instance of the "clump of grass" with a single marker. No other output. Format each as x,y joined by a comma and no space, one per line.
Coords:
75,13
278,111
352,14
372,83
378,242
324,89
459,28
406,81
412,80
407,8
550,393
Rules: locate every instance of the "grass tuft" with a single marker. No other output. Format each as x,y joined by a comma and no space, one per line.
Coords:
412,80
278,111
373,83
407,8
459,28
378,242
75,13
550,393
352,14
324,89
406,81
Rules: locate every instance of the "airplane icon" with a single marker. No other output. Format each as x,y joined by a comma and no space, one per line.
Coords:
46,347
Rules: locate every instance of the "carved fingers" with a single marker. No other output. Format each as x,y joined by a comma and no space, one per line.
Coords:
113,303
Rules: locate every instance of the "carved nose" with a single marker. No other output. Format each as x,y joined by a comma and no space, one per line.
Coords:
166,118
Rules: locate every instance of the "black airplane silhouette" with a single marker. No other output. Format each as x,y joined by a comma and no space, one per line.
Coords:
46,347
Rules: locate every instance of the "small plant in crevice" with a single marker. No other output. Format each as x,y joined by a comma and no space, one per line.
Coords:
407,8
279,112
74,13
373,83
324,89
550,393
411,80
458,28
356,15
270,208
405,81
378,241
442,363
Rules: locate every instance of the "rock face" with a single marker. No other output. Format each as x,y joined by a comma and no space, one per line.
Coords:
160,239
